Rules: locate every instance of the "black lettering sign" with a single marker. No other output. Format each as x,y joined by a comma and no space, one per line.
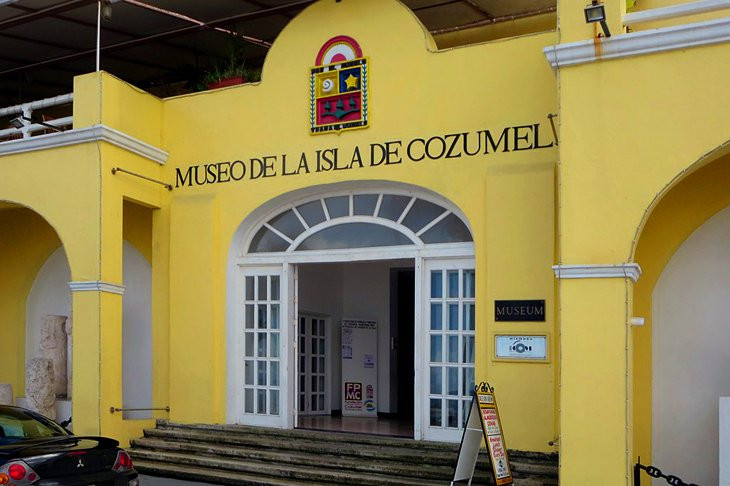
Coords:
435,147
519,310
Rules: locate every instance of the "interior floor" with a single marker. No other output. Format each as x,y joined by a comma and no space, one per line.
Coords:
394,427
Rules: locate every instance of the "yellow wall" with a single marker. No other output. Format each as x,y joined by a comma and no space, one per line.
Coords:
137,227
628,129
505,196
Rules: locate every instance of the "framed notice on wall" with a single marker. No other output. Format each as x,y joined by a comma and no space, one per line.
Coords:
359,367
521,347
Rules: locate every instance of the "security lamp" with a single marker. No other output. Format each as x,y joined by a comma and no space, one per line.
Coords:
596,12
17,122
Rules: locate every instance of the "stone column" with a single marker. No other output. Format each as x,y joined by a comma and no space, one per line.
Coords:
39,387
6,394
54,347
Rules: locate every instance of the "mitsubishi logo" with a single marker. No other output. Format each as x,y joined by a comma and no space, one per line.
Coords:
80,464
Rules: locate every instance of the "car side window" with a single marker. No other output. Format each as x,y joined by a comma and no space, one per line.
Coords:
11,426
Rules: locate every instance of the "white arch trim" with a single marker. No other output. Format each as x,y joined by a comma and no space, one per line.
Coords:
264,213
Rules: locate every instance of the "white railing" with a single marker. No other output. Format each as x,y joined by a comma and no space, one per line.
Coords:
674,11
25,113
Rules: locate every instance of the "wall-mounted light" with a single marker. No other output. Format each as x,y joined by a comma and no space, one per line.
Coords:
19,122
596,12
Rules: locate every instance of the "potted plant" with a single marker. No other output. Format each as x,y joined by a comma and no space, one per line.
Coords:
230,72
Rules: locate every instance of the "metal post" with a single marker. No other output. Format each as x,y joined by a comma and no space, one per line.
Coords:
26,117
98,33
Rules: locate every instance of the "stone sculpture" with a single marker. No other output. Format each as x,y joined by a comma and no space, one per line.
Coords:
6,394
69,357
54,347
39,387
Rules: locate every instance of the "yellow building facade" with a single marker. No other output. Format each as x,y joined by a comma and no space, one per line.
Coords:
495,166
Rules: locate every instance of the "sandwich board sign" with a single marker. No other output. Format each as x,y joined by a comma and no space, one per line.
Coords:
483,423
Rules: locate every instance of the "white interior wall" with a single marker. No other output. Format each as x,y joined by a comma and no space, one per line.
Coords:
353,290
49,295
320,291
367,296
136,333
691,332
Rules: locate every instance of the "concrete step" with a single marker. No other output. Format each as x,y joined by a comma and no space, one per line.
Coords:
234,454
315,435
213,476
241,444
313,473
344,437
381,449
302,458
365,451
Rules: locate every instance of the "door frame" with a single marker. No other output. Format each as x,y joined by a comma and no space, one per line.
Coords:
287,264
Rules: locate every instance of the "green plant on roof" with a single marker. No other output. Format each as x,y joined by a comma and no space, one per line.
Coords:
233,66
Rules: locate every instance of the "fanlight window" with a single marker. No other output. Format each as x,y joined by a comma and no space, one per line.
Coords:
359,221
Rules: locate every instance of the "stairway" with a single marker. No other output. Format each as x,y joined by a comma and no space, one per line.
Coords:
241,455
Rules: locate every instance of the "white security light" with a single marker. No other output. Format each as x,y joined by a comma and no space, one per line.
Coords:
596,12
19,122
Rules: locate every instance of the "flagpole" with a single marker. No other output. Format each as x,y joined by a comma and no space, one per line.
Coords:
98,33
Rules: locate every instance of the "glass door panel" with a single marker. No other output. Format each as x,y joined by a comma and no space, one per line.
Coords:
312,393
263,351
449,299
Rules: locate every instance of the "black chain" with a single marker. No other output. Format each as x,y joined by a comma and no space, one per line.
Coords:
655,472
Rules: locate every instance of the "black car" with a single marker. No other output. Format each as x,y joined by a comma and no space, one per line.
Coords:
35,450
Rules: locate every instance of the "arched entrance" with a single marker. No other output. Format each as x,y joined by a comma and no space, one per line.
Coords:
335,289
680,364
690,356
35,306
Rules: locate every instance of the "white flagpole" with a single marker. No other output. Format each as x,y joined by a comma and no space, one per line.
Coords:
98,33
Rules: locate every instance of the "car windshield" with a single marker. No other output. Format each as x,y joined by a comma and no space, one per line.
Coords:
18,424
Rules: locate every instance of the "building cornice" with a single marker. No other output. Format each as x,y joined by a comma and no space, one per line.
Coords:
639,43
82,135
96,286
618,270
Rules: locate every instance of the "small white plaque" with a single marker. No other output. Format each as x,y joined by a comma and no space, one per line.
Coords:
521,347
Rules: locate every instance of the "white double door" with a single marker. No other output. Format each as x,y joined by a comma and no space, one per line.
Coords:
271,335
